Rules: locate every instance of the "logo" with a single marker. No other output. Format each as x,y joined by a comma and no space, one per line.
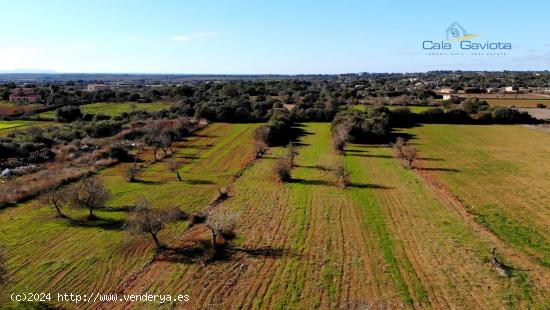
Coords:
458,41
457,33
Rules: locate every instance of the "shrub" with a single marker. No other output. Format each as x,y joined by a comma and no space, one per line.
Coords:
119,152
342,175
133,173
282,169
473,106
68,114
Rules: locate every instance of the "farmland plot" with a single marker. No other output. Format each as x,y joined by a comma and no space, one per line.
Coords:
385,241
50,254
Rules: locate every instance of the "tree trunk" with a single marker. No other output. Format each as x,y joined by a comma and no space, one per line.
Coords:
155,153
178,174
91,212
157,242
214,237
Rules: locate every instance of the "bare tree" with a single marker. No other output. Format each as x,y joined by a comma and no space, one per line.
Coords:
90,193
174,166
282,169
408,154
158,136
132,173
342,175
398,146
261,137
340,137
145,219
56,198
292,152
222,225
262,134
259,148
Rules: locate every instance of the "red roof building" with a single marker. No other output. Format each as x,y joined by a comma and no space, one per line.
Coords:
23,95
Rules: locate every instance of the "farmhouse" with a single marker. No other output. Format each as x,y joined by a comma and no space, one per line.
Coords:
446,90
449,97
23,95
511,89
96,87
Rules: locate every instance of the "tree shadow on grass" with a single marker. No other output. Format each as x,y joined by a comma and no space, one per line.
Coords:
316,167
368,155
198,182
365,185
149,182
184,255
97,222
265,251
440,169
310,182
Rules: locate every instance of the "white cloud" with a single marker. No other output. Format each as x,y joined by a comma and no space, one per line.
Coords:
181,38
136,40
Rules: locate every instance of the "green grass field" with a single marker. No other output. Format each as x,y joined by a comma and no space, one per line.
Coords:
387,241
394,238
502,172
113,109
8,126
47,253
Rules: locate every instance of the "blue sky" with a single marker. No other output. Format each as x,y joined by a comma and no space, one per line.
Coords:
289,37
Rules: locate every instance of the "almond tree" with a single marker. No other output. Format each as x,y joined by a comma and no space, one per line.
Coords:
145,219
174,166
409,153
158,136
292,152
222,223
340,137
342,175
282,169
56,198
90,193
